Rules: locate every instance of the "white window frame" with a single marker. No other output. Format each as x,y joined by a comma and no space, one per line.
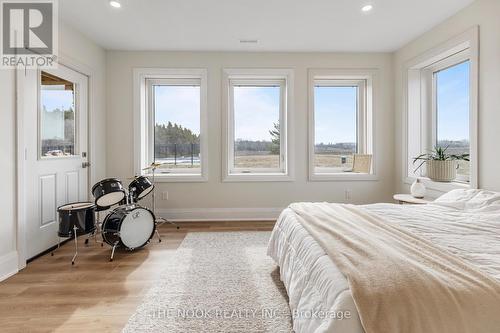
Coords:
364,80
258,77
144,79
419,105
432,70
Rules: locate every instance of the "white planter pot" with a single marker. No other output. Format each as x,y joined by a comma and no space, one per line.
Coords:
442,171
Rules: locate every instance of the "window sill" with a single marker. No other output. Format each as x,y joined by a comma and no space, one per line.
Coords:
343,176
442,187
258,177
178,178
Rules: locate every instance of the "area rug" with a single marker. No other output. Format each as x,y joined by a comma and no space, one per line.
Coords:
216,282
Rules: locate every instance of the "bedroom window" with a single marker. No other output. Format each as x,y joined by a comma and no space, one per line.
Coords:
340,125
451,112
257,125
174,124
441,108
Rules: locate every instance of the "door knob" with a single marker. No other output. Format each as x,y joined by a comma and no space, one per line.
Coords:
85,164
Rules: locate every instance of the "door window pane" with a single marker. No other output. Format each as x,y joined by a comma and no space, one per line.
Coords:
177,126
256,127
452,118
57,119
335,127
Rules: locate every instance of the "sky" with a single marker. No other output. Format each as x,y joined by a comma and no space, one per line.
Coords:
335,114
56,99
453,103
257,108
178,104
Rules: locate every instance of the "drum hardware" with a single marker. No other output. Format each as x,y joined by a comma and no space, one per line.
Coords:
159,221
75,228
113,251
76,246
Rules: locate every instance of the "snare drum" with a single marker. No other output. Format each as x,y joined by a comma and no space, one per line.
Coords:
129,226
108,192
140,187
79,214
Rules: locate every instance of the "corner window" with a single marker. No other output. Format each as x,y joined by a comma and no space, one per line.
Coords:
340,127
256,127
173,124
441,111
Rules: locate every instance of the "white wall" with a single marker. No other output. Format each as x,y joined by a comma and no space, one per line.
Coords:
75,47
8,254
214,198
484,13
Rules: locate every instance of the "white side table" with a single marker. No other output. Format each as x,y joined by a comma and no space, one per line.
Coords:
407,199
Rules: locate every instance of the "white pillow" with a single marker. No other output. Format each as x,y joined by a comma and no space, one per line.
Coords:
468,199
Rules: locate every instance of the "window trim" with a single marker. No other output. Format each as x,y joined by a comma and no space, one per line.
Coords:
419,108
143,120
365,118
255,77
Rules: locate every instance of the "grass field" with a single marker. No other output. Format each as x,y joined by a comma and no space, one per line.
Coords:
272,161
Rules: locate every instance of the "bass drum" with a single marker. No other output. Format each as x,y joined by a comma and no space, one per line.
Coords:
130,227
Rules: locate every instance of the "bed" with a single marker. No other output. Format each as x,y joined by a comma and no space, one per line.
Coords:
465,223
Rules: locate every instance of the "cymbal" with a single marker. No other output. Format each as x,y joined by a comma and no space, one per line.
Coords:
153,166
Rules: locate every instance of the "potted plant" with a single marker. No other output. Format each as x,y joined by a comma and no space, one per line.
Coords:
441,166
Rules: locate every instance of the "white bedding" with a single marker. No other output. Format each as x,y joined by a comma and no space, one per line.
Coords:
318,290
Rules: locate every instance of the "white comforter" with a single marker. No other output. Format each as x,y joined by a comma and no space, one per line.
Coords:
319,293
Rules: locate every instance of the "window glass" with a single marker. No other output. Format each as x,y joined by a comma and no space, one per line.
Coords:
177,126
57,118
256,127
452,118
335,127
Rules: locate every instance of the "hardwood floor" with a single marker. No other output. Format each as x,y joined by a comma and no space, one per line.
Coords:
50,295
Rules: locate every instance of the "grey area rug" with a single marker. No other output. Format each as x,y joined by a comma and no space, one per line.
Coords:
216,282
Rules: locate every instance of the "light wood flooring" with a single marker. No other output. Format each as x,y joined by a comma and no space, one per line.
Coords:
94,295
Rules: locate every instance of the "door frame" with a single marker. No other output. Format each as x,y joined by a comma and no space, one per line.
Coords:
21,204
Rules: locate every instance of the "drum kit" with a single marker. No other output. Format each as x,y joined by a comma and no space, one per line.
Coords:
129,225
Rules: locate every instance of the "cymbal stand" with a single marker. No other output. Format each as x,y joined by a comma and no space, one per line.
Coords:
160,220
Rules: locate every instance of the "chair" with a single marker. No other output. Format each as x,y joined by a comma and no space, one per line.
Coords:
362,163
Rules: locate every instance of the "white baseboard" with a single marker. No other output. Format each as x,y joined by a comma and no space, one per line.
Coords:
8,265
219,214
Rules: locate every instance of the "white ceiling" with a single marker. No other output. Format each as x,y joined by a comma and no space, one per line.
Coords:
279,25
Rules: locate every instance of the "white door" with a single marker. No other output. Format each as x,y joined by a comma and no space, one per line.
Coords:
55,135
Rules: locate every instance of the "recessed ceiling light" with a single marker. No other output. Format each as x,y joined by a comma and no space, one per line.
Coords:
115,4
366,8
